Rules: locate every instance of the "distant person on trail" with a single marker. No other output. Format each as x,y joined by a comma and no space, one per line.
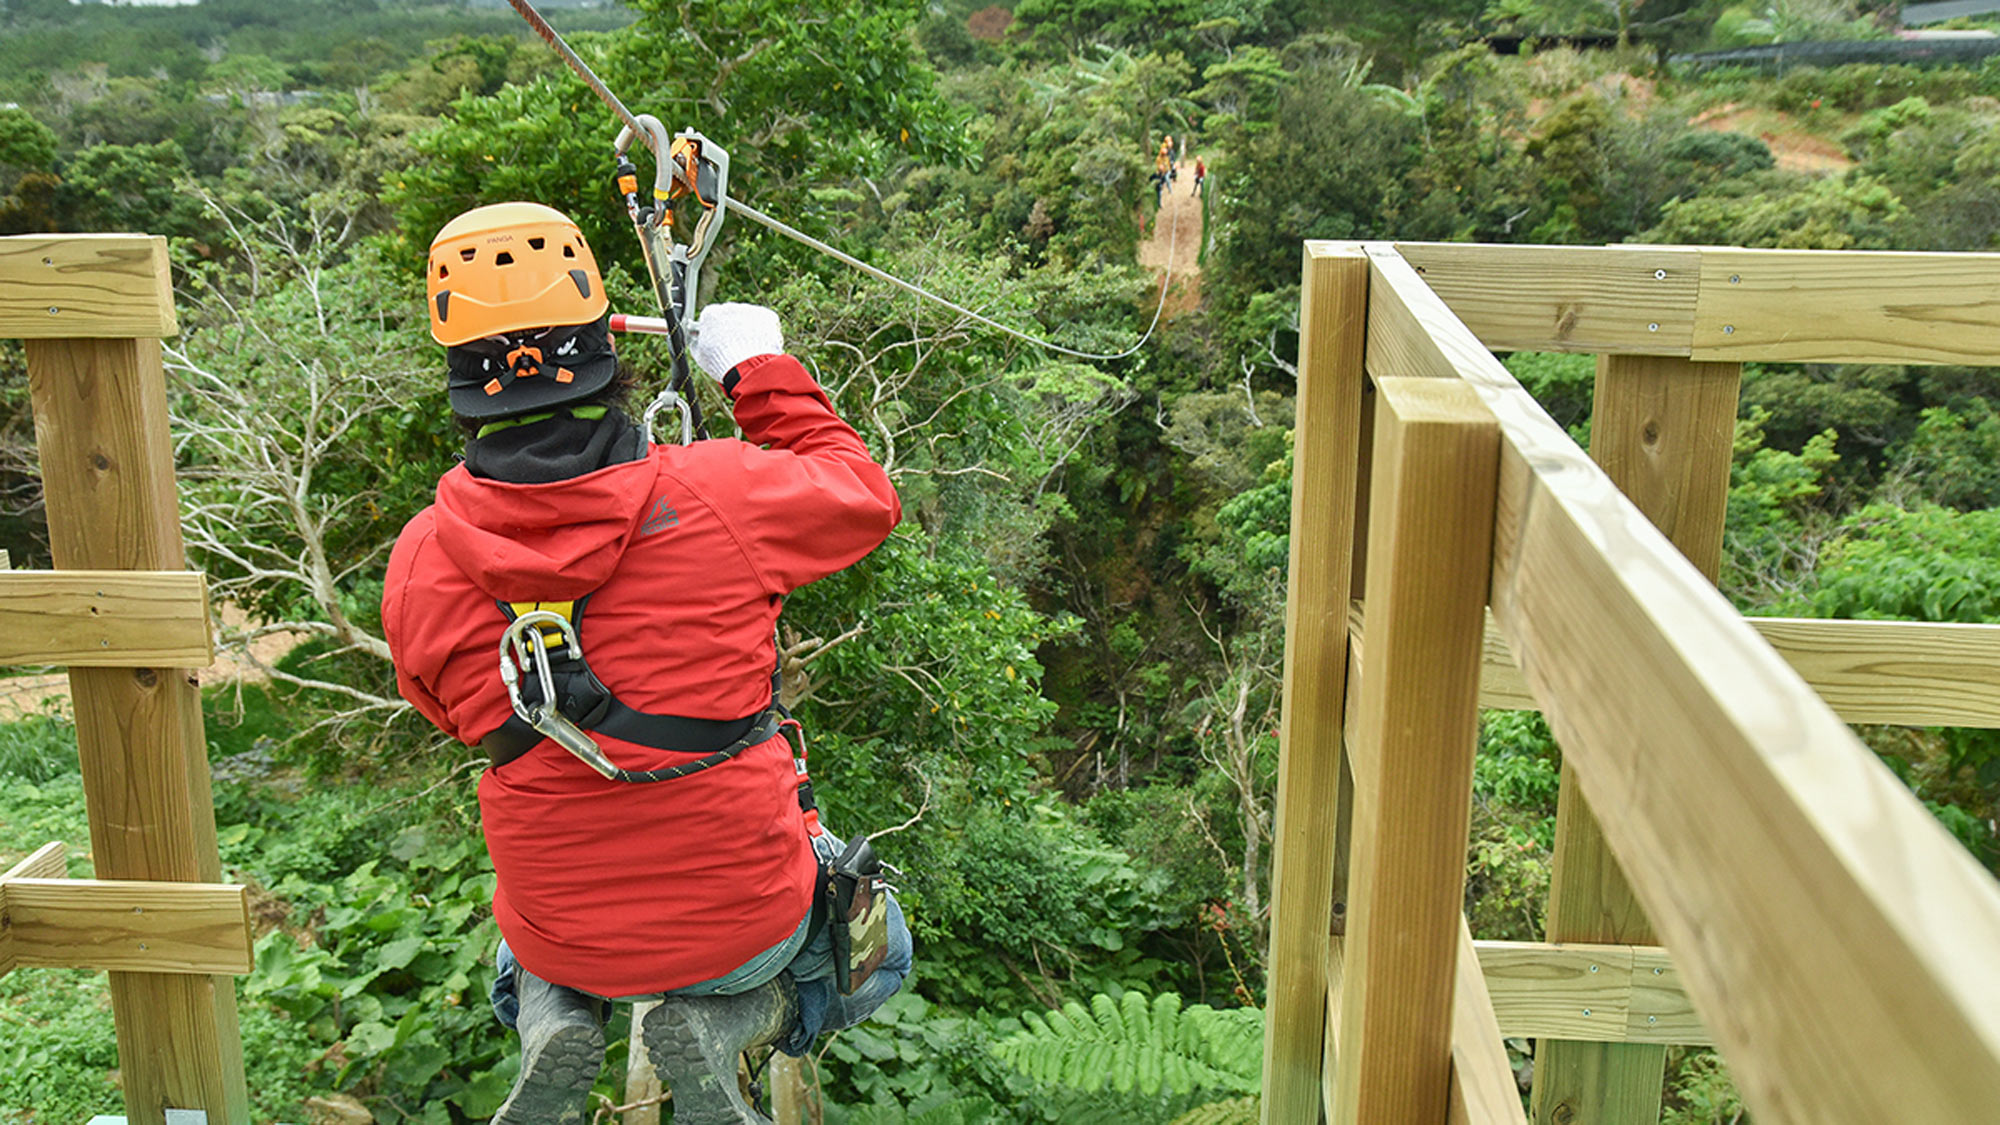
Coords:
1200,174
1162,170
691,868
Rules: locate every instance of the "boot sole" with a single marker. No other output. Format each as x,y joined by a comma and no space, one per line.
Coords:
562,1073
704,1089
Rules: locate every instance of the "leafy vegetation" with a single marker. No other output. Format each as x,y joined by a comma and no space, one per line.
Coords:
1059,677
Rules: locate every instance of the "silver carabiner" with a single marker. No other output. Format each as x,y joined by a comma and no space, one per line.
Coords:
666,398
522,642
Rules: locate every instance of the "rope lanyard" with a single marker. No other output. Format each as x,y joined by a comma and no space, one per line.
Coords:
604,94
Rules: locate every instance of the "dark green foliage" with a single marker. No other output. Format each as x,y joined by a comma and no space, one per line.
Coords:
1925,563
131,188
1852,212
1021,906
1955,458
1562,383
1514,783
26,145
793,105
1142,1043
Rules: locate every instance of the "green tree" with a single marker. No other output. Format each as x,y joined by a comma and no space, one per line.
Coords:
799,96
26,145
139,188
1851,212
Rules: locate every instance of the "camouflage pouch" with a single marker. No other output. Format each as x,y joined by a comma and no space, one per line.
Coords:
858,914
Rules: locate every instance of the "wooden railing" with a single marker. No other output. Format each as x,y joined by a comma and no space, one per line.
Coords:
1813,921
132,626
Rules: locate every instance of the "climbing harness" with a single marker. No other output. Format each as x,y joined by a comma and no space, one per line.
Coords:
556,696
686,175
541,650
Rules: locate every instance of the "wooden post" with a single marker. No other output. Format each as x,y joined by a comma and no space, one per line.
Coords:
1430,538
791,1099
1663,428
1332,321
108,475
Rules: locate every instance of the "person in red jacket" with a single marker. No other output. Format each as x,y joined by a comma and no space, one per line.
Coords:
697,887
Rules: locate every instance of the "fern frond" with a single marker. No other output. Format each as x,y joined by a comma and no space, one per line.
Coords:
1152,1046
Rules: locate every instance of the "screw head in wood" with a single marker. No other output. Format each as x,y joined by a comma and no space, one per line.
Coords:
1659,275
1654,327
1729,330
1735,278
1586,1011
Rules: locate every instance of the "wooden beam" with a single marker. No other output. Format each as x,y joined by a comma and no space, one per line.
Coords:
1483,1089
1480,1067
1663,430
85,285
1836,940
104,618
1848,306
1602,299
1303,871
1589,992
1917,673
1914,673
1429,540
129,925
46,862
108,477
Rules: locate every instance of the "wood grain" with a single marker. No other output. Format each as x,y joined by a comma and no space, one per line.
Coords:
1837,942
134,925
1912,673
85,285
108,477
49,861
105,618
1603,299
1303,873
1663,429
1483,1090
1848,307
1586,991
1429,540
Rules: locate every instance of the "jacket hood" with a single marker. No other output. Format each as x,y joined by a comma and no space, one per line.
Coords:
542,542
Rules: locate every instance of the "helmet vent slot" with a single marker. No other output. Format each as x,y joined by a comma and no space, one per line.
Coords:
467,254
569,251
503,258
535,244
442,272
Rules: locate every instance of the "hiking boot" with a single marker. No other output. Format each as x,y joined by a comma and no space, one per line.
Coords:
694,1042
562,1049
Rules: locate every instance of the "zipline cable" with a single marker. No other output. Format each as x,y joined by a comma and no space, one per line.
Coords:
554,39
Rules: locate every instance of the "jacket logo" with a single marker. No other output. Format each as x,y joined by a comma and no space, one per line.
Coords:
663,517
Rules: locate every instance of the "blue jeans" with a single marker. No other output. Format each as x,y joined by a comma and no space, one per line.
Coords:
808,957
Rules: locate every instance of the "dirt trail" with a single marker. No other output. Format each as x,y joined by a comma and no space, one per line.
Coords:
1174,243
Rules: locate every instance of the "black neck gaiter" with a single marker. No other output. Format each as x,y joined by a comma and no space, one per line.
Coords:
555,448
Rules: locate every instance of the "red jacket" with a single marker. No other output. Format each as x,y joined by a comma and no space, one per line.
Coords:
612,887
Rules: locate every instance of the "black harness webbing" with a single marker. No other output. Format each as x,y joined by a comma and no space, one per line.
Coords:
582,698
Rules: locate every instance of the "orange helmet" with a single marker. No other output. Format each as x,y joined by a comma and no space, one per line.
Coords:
510,266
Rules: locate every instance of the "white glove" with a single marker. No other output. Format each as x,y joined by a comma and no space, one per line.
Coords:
727,334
